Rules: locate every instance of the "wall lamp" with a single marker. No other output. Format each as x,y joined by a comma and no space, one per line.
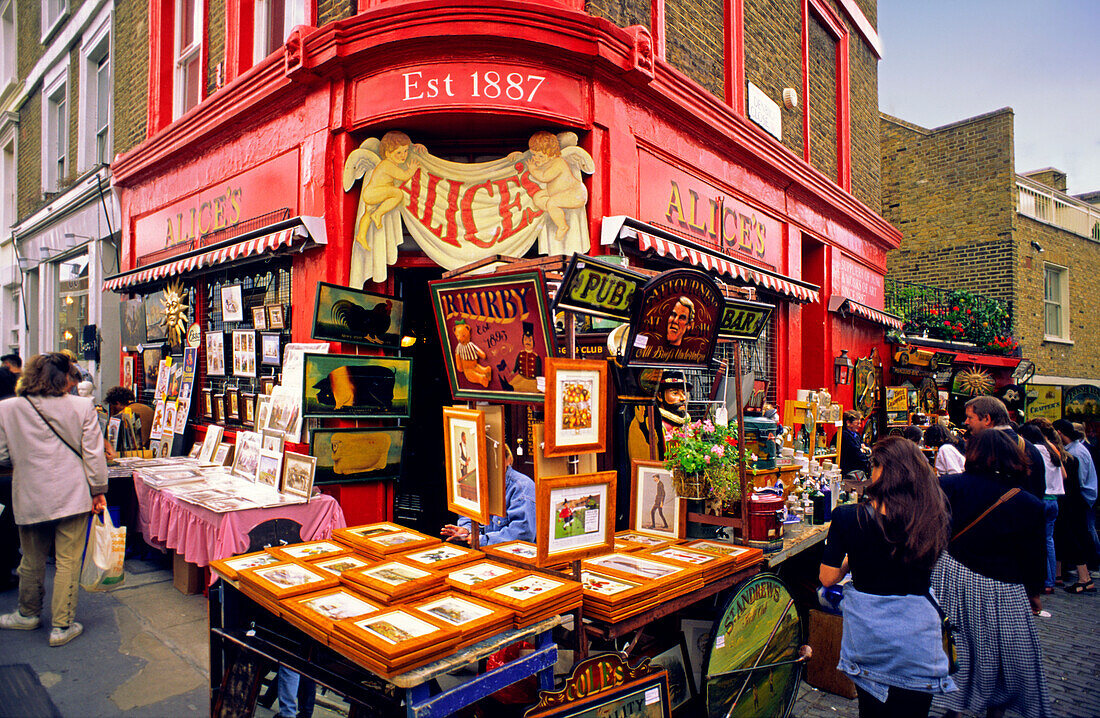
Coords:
1036,246
842,369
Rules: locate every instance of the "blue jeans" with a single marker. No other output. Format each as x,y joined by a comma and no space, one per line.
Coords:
1090,520
296,694
1051,513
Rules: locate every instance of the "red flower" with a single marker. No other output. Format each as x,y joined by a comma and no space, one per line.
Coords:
968,311
731,441
947,324
954,309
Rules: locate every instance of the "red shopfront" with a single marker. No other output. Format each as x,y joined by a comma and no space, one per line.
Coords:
272,145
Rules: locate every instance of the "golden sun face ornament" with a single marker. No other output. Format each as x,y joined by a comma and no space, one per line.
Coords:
175,306
974,381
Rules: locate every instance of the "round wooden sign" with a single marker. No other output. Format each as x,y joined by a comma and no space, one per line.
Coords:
194,335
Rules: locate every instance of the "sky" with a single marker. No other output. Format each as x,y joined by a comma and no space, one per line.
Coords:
947,60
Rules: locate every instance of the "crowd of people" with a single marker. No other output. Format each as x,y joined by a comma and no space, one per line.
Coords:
975,532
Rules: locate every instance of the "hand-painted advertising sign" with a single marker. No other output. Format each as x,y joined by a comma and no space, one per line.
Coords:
671,197
1043,402
459,213
857,282
676,320
1082,402
265,188
593,287
495,335
743,320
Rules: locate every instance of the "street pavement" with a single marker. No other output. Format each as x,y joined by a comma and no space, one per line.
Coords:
145,652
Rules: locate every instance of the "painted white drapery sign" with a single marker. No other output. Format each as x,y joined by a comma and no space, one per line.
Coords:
461,212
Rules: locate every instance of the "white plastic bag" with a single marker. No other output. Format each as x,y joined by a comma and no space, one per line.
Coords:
104,555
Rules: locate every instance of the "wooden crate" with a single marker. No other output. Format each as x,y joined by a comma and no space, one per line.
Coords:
821,671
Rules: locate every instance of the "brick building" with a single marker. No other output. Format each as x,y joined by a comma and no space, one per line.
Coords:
971,221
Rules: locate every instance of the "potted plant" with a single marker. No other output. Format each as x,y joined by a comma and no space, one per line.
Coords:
702,454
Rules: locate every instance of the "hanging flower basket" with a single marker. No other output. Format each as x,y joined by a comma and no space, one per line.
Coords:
689,485
724,482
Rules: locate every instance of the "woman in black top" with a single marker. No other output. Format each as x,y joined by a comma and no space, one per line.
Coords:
992,565
892,646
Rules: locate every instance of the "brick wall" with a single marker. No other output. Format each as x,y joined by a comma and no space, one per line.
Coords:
1082,258
773,58
131,73
822,100
866,154
330,10
623,13
951,193
29,157
694,41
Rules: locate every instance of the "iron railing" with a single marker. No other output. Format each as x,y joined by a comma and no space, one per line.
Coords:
952,315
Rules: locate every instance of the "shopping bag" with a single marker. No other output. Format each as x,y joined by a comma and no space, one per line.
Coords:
104,555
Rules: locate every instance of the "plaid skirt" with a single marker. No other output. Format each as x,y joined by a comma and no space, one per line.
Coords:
1000,660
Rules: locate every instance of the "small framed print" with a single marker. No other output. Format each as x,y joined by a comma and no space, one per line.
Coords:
471,616
269,468
215,353
339,564
467,463
309,551
194,452
270,349
247,455
244,352
399,542
114,425
483,574
654,506
210,443
397,632
272,440
528,590
639,540
298,474
230,567
128,371
576,516
259,318
521,551
207,403
355,535
275,317
232,404
223,455
323,608
248,408
393,580
218,408
232,306
443,557
263,411
576,406
288,578
267,385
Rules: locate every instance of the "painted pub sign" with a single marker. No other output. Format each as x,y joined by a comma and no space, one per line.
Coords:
495,334
676,320
459,213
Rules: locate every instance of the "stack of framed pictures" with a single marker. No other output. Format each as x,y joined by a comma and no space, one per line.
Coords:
381,545
231,567
742,555
394,581
336,565
612,598
713,565
274,582
534,597
639,541
475,619
517,551
394,641
309,551
663,577
443,557
483,574
317,612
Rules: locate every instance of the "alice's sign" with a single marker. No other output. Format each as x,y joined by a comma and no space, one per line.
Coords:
459,213
676,320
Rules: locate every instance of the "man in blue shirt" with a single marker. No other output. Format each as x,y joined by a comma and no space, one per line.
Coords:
1086,470
518,523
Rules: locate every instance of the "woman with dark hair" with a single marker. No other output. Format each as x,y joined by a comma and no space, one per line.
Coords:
994,562
1055,476
892,646
59,476
949,449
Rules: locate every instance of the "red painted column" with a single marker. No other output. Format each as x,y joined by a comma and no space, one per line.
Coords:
161,39
734,20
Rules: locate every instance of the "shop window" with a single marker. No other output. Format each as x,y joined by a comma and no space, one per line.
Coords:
188,54
72,301
1056,302
7,42
55,134
274,21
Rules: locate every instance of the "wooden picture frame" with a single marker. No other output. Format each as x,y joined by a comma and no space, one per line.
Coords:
248,408
466,463
218,406
576,407
442,557
297,477
356,386
352,316
393,580
482,574
398,632
207,403
128,375
276,319
259,318
494,450
232,306
397,542
353,454
271,349
267,385
287,578
643,539
644,568
576,516
355,536
324,608
309,551
546,466
215,353
517,551
650,483
269,468
232,404
337,565
230,567
244,352
525,592
468,615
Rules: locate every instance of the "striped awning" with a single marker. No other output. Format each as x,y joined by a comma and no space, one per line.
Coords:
228,253
794,289
876,316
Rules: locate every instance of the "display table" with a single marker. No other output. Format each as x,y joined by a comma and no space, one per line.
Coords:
242,630
796,541
201,535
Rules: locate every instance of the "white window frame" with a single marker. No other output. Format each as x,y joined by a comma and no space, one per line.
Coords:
55,88
95,47
50,21
1062,302
8,41
184,56
294,14
9,161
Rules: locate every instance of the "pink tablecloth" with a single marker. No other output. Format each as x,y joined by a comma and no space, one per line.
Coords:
202,535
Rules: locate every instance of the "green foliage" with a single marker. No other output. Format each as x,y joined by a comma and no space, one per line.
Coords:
958,316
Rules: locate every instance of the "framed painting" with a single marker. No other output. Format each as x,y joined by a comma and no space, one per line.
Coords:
263,411
466,462
323,608
232,306
276,319
230,567
346,385
210,442
496,334
247,455
259,318
128,371
350,454
244,352
150,360
353,316
288,578
272,440
270,346
298,474
654,506
223,455
133,330
267,385
217,408
155,328
232,404
576,516
576,407
215,353
248,408
269,468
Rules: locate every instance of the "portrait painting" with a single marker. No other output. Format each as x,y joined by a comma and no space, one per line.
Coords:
495,334
232,306
168,419
353,316
676,320
350,454
150,360
654,506
576,407
132,316
466,462
346,385
128,372
298,474
576,516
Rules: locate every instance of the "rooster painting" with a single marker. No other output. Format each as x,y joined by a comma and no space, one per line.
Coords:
350,315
